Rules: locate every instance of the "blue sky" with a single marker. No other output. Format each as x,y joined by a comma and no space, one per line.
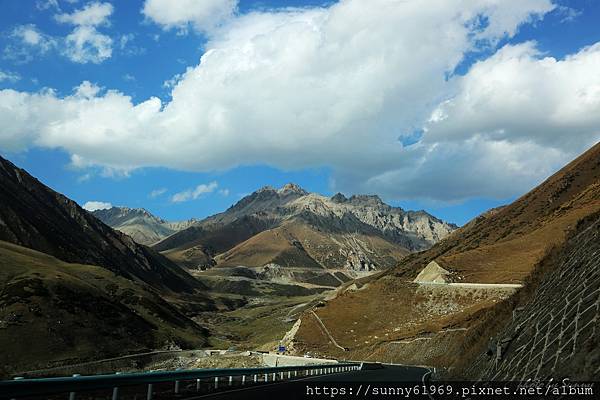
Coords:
312,92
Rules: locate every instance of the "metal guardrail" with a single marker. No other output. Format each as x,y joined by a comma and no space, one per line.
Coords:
23,388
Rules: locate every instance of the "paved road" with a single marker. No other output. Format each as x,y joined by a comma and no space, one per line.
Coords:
297,389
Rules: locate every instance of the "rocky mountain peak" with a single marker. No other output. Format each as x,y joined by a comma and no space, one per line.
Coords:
266,188
366,200
292,188
339,198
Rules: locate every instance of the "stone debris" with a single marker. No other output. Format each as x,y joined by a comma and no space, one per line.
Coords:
433,273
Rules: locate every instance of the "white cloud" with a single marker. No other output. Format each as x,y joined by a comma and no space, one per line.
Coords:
224,192
203,15
519,93
8,76
336,87
171,83
46,4
86,45
193,194
84,178
26,42
96,205
93,14
157,192
568,14
87,90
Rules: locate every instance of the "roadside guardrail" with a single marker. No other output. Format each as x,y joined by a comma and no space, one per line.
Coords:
146,383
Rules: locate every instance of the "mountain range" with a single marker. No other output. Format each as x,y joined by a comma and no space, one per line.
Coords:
285,264
292,228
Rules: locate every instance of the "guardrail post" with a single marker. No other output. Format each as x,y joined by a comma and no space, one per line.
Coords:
289,374
230,380
255,378
216,382
243,380
197,385
150,393
17,378
72,394
274,377
177,383
281,376
266,377
115,394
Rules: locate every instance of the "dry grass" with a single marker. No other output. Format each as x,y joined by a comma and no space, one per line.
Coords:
507,245
55,313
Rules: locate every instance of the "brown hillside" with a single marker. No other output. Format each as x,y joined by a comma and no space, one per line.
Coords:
558,327
440,326
73,313
34,216
298,244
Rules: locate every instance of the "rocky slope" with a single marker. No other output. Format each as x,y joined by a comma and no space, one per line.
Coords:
291,227
34,216
449,326
139,224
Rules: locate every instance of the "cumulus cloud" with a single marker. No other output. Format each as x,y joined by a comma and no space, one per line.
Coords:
337,86
520,93
96,205
193,194
202,15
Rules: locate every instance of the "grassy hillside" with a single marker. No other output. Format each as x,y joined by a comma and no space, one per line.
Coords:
53,313
508,245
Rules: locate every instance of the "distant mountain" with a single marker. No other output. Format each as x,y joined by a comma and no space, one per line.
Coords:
139,224
291,227
546,240
79,288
